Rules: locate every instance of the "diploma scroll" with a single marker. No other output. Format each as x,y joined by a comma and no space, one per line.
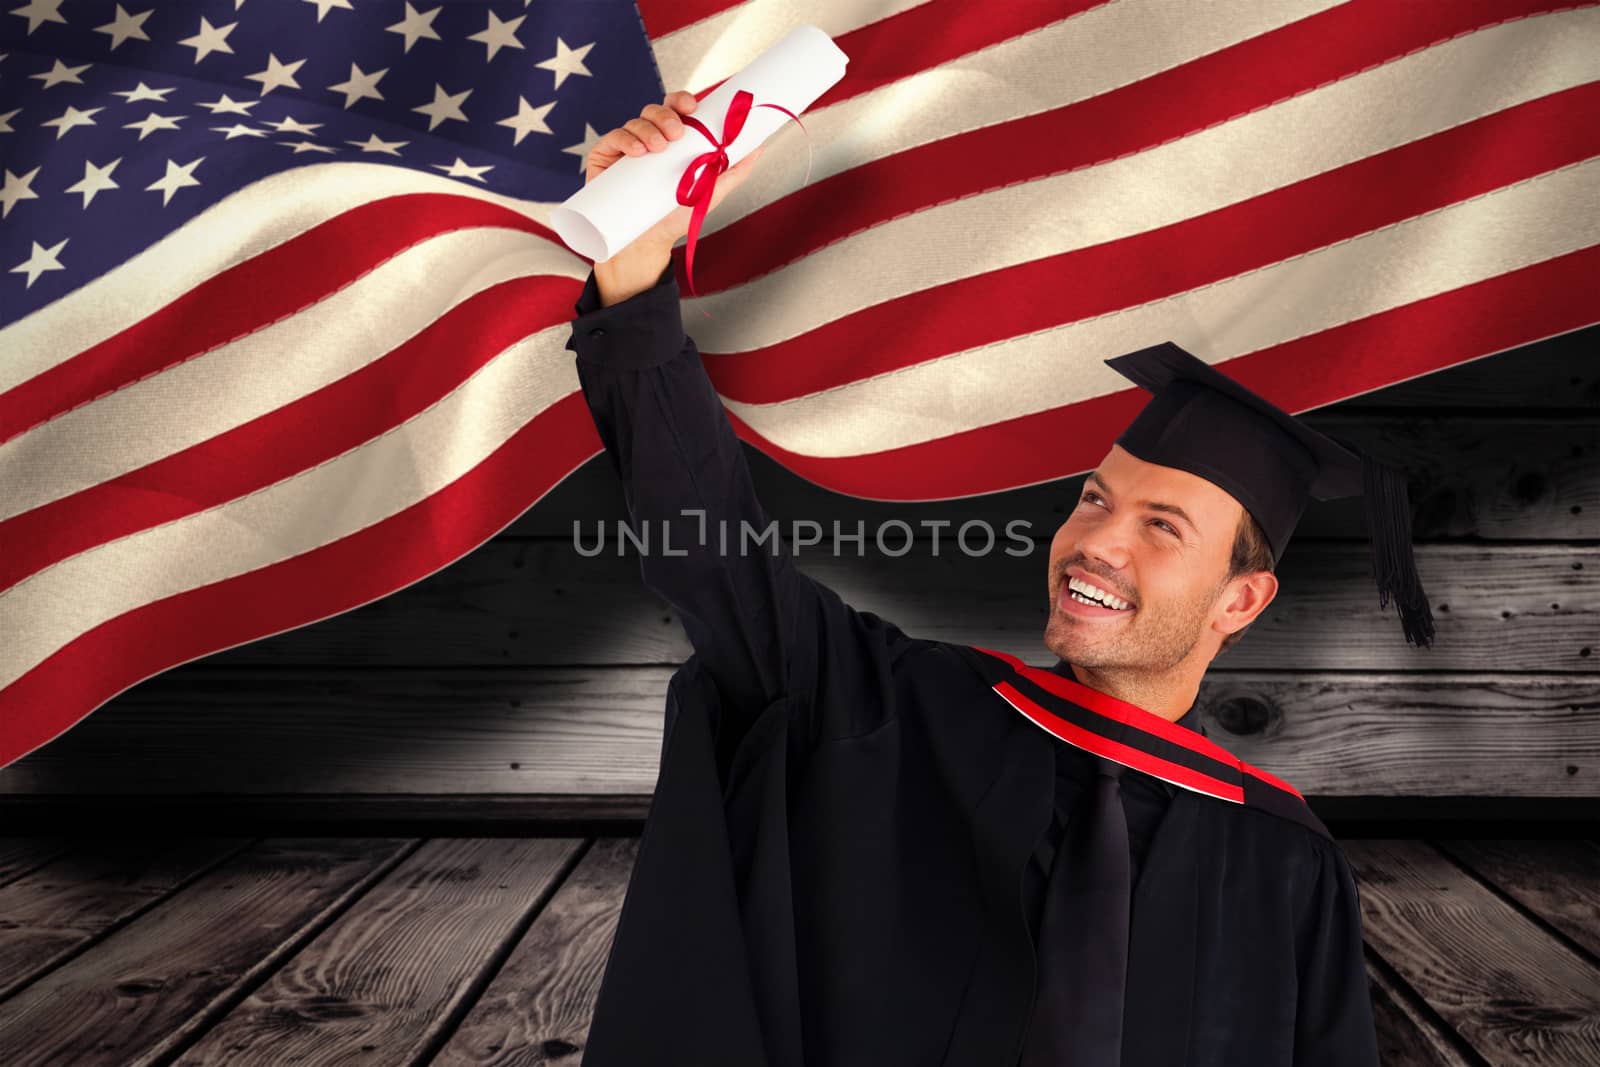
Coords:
636,192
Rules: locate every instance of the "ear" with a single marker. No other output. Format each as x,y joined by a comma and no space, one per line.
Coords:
1246,597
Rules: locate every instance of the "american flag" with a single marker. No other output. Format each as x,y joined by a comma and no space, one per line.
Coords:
282,324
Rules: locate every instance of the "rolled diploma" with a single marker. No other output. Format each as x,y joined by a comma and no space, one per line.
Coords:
636,192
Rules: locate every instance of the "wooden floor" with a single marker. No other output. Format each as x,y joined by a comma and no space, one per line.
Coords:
326,950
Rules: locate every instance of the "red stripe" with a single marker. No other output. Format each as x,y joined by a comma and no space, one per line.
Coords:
1494,315
661,17
355,570
1165,106
296,437
1447,168
268,287
1126,755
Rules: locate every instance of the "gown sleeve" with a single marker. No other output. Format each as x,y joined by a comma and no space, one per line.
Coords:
761,629
1333,1017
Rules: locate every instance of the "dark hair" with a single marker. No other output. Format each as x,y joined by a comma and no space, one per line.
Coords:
1251,553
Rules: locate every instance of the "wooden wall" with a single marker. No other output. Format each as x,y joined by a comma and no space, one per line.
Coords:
526,681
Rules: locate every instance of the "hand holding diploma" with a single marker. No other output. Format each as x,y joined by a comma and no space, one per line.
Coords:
637,266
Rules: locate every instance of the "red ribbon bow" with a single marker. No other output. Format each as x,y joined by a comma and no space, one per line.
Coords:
699,178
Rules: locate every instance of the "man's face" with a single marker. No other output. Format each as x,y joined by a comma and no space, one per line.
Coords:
1122,537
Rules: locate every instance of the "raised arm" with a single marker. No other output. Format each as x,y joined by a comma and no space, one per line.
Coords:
761,628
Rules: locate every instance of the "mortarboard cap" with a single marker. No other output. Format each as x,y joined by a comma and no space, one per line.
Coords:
1201,421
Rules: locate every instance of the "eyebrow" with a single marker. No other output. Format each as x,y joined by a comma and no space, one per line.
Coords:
1171,509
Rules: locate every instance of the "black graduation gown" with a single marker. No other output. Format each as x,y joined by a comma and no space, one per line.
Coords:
831,869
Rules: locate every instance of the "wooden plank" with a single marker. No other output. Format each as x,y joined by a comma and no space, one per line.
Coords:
597,733
538,1008
1524,607
149,987
1515,993
1408,1033
1559,881
1471,475
384,981
20,855
51,914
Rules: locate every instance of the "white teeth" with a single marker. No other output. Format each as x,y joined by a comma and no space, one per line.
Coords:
1096,595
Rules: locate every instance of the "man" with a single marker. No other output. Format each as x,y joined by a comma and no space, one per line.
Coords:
869,848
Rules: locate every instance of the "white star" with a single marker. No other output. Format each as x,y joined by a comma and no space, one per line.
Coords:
567,61
95,180
70,118
38,12
415,25
153,122
60,72
528,119
307,146
289,125
360,85
498,35
374,144
324,5
229,104
125,26
176,178
459,169
39,261
209,39
444,106
277,74
5,121
582,150
16,188
239,130
143,92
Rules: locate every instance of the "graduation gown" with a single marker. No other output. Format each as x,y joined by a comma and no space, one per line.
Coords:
831,871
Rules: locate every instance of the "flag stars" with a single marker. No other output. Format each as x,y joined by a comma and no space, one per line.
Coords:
5,121
444,106
70,118
60,72
459,169
176,178
277,75
95,180
374,144
581,150
16,188
209,39
359,86
323,6
415,26
153,122
528,119
289,125
144,92
39,12
308,146
125,27
229,105
239,130
498,35
41,260
567,61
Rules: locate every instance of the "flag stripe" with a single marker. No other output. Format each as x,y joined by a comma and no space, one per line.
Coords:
1428,335
322,424
1302,57
1425,175
100,660
1451,248
221,389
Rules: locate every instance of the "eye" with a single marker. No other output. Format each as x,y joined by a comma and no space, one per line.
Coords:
1087,493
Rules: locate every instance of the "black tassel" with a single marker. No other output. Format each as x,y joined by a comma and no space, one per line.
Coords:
1389,526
